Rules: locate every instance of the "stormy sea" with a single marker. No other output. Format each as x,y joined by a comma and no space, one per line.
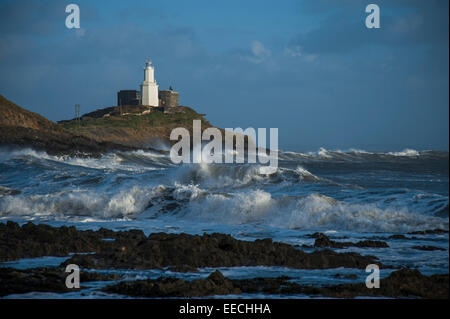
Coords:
400,198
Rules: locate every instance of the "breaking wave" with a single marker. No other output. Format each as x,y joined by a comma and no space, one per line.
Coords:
361,155
307,191
134,160
190,202
239,175
406,152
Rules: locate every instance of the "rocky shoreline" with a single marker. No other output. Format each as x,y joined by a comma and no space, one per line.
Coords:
43,279
322,240
108,250
133,250
404,283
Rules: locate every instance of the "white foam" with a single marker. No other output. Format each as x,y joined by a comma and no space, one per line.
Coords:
78,204
212,176
350,154
405,152
317,210
109,161
239,207
7,154
323,153
307,212
305,174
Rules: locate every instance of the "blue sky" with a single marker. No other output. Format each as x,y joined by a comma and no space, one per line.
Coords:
310,68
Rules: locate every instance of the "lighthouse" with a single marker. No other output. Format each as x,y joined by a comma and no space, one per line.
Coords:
149,88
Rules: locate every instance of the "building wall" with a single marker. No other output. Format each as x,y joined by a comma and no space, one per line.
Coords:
168,98
149,88
128,97
149,73
149,94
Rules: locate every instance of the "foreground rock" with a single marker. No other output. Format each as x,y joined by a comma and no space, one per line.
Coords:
428,248
32,240
213,250
15,281
429,232
323,240
399,237
405,283
133,250
215,284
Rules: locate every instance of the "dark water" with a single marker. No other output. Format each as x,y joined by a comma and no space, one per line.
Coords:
352,195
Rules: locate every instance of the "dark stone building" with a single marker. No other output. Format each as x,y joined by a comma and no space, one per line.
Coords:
168,99
128,97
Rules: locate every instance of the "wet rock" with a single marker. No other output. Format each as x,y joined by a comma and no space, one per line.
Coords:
371,244
324,241
8,191
429,232
32,240
318,235
215,284
428,248
404,283
15,281
397,236
133,250
273,286
170,207
214,250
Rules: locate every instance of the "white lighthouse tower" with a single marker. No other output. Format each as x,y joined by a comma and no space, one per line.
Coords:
149,88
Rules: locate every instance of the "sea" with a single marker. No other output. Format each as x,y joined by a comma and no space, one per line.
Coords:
349,195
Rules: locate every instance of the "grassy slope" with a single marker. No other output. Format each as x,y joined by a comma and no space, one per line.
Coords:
154,119
19,127
136,130
12,115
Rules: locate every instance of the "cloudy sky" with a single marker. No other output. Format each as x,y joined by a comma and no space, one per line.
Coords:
310,68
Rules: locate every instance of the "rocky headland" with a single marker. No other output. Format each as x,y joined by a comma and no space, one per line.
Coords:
94,133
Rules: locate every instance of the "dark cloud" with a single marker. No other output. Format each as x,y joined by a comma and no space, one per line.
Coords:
343,29
332,84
